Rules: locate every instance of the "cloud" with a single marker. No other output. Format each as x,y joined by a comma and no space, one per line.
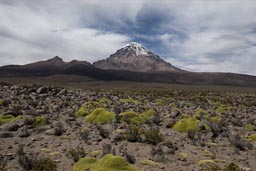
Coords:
197,35
31,33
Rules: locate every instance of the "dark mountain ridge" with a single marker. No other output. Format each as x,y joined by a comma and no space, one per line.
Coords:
127,64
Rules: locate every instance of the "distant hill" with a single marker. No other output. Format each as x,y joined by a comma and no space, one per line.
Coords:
130,63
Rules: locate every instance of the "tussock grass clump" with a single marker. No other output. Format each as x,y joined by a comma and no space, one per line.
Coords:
9,118
34,163
131,101
76,154
82,111
108,162
40,121
135,118
249,127
153,136
105,100
100,116
252,137
215,119
233,167
1,102
186,124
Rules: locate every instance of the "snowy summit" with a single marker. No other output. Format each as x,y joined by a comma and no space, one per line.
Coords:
137,48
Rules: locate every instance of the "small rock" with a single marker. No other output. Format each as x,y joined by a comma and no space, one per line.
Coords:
41,90
6,135
50,131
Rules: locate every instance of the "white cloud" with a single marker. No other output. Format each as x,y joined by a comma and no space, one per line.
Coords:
219,35
31,32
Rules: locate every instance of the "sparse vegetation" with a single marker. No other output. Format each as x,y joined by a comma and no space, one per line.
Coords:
186,124
108,162
155,130
35,163
100,116
76,154
82,112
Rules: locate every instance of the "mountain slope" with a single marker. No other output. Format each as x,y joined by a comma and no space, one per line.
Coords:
135,57
56,66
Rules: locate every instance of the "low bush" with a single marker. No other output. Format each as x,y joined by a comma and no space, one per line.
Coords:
107,163
34,163
100,116
76,154
82,111
153,136
186,124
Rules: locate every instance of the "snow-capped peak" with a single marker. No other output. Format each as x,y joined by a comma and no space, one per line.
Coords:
137,47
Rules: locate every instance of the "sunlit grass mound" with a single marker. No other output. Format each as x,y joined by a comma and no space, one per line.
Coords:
136,118
252,137
9,118
105,100
40,121
100,115
201,113
186,124
82,112
107,163
1,102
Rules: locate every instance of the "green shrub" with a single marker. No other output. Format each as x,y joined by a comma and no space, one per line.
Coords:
233,167
1,102
215,119
44,164
33,163
76,154
135,118
107,163
249,127
147,115
153,136
201,113
186,124
40,121
105,100
159,102
100,115
82,112
9,118
133,134
132,117
252,137
132,101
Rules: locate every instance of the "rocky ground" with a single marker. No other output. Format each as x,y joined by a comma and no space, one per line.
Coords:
152,130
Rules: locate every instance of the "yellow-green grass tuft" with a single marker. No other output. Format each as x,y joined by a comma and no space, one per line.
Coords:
132,101
105,100
249,127
40,120
99,116
107,163
82,112
9,118
252,137
186,124
215,119
136,118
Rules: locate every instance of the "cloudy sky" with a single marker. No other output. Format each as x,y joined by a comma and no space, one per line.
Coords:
207,35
